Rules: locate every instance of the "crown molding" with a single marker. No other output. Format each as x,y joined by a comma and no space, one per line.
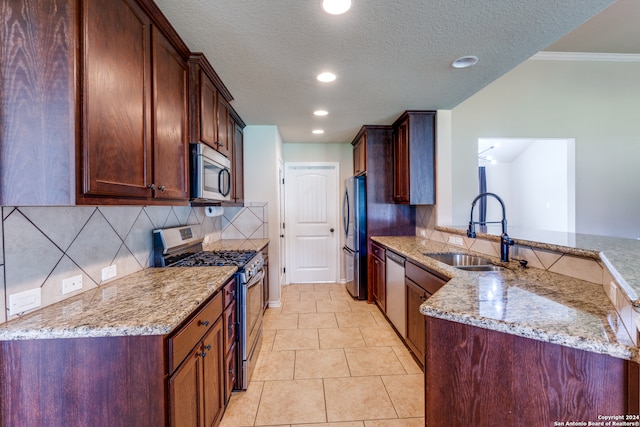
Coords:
586,56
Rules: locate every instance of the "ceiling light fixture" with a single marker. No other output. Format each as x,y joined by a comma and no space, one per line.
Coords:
336,7
326,77
320,113
465,62
317,131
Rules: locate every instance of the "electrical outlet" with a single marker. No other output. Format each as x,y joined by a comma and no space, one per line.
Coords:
456,240
613,294
109,272
23,301
71,284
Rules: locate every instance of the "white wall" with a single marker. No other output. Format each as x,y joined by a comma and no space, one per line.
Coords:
594,102
536,186
262,157
309,152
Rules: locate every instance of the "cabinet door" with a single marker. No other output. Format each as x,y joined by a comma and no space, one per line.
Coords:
213,378
208,111
416,328
379,282
231,369
230,323
170,139
185,392
360,156
401,163
224,140
238,165
116,95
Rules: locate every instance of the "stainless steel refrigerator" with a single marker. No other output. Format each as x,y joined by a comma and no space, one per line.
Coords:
354,225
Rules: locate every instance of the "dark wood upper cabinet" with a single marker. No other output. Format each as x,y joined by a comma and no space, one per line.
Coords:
170,139
134,100
207,126
225,134
237,165
116,99
210,108
360,155
414,178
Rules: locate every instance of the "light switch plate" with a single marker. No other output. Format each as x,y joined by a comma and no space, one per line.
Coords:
23,301
109,272
71,284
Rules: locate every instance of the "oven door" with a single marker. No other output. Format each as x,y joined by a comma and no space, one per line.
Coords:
211,177
250,327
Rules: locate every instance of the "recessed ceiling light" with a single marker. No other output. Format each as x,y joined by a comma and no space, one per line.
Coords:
336,7
326,77
320,113
317,131
465,62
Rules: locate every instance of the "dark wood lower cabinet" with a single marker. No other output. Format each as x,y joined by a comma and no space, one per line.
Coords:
176,380
79,382
415,337
477,377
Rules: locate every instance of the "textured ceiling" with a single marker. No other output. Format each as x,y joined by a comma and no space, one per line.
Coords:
389,56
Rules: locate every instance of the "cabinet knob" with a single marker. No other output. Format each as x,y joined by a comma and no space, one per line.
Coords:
162,188
151,186
204,322
207,347
423,298
203,354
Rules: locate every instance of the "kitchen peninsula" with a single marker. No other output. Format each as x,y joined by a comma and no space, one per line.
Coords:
520,346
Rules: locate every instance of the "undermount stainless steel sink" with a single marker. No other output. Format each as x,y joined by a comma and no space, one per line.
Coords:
465,261
480,267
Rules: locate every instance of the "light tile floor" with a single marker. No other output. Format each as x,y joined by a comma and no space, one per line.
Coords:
329,360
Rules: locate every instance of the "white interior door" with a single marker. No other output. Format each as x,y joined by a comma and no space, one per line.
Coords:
312,225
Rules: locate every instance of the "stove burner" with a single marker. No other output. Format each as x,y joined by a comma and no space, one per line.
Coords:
216,258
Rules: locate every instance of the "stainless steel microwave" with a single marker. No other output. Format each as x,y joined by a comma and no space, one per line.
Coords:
210,174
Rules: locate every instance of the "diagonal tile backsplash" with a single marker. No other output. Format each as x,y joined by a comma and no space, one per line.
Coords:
41,246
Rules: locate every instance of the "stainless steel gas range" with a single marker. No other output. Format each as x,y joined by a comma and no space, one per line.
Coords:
178,247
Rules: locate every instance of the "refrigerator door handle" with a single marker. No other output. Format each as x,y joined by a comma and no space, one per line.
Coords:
345,212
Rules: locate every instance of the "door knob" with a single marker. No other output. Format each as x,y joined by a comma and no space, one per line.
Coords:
331,230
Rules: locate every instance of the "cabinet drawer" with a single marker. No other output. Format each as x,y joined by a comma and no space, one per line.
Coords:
229,292
426,280
181,343
377,251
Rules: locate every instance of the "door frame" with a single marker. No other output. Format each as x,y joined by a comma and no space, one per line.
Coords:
288,240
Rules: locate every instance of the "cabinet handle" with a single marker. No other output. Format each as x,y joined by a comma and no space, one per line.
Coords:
232,292
151,186
423,298
204,322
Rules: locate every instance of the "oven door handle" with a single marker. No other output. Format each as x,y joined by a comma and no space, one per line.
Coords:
257,278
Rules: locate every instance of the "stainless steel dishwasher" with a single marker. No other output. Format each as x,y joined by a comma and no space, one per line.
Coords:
396,311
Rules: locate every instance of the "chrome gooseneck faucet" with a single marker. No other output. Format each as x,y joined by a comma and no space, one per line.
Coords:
505,241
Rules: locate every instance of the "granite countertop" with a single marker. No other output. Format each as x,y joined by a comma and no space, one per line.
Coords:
620,255
531,303
151,302
237,244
